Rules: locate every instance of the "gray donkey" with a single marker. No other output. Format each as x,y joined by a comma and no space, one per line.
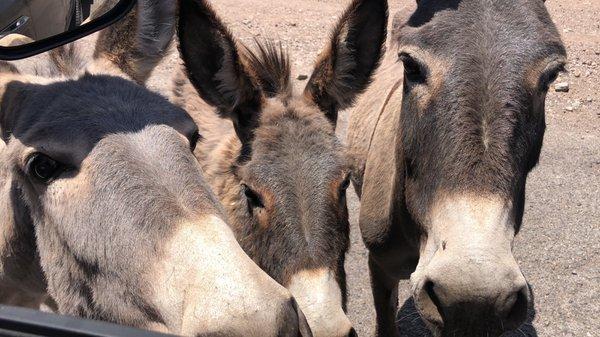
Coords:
103,206
442,144
275,163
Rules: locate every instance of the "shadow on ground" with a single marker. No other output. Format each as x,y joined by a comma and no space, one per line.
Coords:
410,324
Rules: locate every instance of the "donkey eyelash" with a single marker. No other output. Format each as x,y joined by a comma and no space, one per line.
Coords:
551,74
415,70
253,197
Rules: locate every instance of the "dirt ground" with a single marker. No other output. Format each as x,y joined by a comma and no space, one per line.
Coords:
559,245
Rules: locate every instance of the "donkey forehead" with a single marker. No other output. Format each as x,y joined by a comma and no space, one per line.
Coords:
86,110
516,30
293,145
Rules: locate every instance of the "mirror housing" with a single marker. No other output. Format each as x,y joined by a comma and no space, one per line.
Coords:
120,9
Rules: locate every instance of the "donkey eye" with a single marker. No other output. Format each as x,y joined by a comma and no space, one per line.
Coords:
344,185
43,168
550,75
413,70
254,199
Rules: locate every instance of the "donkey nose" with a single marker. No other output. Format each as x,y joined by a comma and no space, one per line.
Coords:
303,329
447,305
285,320
512,308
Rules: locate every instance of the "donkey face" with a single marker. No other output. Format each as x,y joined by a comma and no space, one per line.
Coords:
476,75
126,228
286,173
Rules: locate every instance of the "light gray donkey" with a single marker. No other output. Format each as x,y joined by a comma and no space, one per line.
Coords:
103,206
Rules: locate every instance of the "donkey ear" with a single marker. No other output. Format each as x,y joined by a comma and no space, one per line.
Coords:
138,42
13,94
346,66
214,66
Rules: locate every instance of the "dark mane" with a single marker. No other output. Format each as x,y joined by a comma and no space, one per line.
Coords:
270,64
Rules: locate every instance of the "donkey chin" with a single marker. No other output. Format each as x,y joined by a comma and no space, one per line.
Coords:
467,282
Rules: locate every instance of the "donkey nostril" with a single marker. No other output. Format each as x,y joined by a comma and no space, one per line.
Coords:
432,295
429,304
516,308
352,333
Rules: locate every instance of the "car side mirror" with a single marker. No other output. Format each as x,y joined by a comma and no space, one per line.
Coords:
30,27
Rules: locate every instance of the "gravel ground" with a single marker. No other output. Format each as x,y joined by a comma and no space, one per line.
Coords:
559,245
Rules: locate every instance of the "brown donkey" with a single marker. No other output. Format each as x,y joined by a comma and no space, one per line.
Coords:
103,205
277,165
441,156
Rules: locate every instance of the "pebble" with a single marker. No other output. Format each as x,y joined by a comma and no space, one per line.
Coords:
569,108
561,87
577,73
302,77
589,100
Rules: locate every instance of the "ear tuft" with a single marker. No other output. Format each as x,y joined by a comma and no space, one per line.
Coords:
270,65
345,68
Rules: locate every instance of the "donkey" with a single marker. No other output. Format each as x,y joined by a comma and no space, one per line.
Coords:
275,163
441,155
103,205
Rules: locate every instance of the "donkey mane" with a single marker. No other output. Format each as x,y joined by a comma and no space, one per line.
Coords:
270,65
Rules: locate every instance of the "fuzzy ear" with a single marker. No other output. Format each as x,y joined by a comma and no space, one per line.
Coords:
13,94
345,68
138,42
214,66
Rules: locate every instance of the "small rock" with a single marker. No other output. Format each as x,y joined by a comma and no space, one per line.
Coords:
302,77
577,73
597,52
588,73
569,108
561,87
589,100
573,273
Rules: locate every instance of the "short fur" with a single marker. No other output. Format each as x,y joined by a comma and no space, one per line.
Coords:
106,237
278,146
474,126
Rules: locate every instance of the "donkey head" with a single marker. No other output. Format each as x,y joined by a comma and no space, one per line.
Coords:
476,74
99,171
287,201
